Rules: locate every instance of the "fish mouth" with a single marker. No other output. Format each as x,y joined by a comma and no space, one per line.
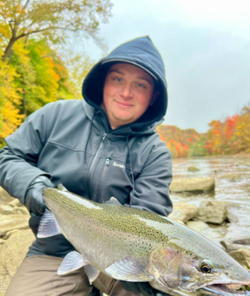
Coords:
224,290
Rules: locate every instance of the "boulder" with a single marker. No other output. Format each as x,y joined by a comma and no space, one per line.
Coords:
193,169
236,243
4,196
231,217
242,255
6,210
193,185
15,237
12,253
231,177
198,226
183,212
12,223
243,240
214,212
15,203
229,246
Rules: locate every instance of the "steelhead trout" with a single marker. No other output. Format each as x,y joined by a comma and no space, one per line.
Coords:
134,245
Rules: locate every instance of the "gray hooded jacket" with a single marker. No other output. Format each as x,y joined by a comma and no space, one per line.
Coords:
72,143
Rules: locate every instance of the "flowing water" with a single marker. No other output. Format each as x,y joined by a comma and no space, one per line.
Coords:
234,189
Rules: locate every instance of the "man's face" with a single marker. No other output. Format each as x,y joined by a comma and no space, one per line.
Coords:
128,91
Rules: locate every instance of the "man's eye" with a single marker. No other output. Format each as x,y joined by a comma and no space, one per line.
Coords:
118,79
141,85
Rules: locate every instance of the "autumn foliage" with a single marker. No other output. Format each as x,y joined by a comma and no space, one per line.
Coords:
178,141
32,72
34,76
10,118
222,138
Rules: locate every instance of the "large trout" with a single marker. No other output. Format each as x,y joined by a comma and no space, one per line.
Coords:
139,246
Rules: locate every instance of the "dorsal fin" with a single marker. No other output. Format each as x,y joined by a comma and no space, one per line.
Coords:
113,201
61,187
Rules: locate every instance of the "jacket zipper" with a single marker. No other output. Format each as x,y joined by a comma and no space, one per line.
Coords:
107,162
103,175
94,160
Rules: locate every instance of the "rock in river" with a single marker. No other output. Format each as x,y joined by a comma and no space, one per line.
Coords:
242,255
193,185
183,212
214,212
193,169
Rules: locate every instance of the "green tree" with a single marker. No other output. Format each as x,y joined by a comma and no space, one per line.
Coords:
42,75
51,19
198,148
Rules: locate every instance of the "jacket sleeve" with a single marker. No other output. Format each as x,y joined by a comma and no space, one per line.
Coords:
18,160
151,187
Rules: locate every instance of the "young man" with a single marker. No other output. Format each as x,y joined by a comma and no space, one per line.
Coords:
103,146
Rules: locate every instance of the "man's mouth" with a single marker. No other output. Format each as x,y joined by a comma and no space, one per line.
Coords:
124,105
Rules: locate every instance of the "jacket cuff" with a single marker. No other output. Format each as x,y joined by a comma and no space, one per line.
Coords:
22,181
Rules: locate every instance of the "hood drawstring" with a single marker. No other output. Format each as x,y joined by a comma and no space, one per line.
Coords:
131,172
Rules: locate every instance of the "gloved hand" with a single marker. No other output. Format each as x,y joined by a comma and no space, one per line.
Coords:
34,196
143,288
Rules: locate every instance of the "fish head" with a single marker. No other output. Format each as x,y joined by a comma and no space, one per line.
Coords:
183,272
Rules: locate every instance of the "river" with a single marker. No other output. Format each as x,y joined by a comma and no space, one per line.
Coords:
235,191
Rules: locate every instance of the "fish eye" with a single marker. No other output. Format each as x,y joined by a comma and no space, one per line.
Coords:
206,266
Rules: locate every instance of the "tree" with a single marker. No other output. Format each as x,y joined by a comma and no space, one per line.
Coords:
10,118
41,75
242,132
50,18
77,74
178,141
34,76
197,149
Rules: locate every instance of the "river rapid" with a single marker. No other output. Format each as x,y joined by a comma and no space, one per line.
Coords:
232,185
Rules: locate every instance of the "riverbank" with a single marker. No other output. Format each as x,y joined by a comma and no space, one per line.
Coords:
237,155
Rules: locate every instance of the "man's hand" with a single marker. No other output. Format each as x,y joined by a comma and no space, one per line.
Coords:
143,288
34,195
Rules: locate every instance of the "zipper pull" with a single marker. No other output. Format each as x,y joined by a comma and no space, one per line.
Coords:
108,159
104,135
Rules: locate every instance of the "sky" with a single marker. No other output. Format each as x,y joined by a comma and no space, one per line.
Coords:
205,46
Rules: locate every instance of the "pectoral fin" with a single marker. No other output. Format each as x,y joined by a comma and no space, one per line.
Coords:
128,269
48,226
71,262
91,272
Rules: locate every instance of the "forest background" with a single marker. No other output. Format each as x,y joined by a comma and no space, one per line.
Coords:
34,72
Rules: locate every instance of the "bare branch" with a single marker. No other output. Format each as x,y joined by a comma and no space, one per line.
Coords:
26,4
60,15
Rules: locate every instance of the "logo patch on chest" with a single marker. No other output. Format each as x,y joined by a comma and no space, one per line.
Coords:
119,165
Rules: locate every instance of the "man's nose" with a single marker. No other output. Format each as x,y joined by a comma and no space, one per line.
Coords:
126,91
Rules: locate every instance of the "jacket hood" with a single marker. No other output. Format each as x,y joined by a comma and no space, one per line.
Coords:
142,53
